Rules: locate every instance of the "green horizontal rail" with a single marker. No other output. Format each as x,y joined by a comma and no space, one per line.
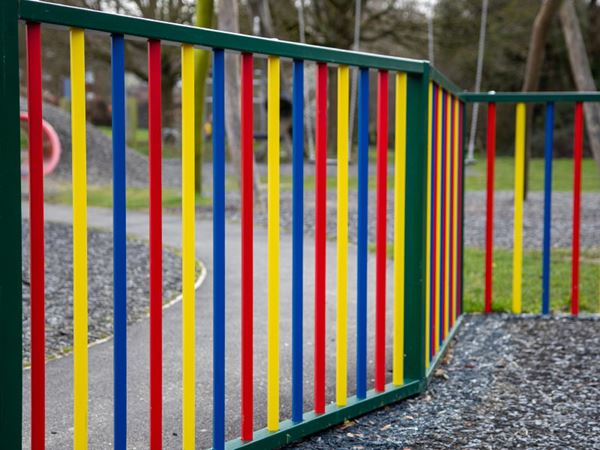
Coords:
290,431
443,81
68,16
529,97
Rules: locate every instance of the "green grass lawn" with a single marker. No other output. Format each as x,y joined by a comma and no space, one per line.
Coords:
560,280
136,198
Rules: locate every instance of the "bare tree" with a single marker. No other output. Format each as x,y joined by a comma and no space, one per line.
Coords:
535,60
229,21
582,73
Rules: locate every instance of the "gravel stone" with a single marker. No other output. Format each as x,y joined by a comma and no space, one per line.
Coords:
507,382
59,285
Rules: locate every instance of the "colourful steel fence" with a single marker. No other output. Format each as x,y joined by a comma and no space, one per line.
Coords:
520,100
427,250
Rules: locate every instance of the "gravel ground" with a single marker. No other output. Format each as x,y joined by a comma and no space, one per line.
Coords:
59,285
562,204
508,382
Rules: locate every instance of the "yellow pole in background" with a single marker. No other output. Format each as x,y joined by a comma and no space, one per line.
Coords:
428,231
399,202
188,263
342,237
519,192
438,225
273,245
80,268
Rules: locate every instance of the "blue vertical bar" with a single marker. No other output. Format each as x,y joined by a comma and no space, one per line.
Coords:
548,150
363,218
119,242
431,226
442,248
219,249
297,235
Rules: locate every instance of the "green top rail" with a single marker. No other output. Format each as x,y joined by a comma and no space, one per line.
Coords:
529,97
444,82
69,16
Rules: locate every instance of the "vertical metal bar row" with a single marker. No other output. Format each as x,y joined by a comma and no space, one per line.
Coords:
519,194
399,227
247,272
273,66
462,126
381,238
188,243
489,210
218,249
455,212
36,235
452,215
577,155
320,234
119,242
80,310
342,237
297,235
155,182
548,150
362,233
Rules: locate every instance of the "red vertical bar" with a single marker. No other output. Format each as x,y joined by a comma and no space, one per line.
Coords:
489,217
36,235
155,148
247,245
320,233
381,250
577,153
451,245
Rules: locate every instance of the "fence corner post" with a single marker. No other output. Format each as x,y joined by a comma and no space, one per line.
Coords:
416,221
10,230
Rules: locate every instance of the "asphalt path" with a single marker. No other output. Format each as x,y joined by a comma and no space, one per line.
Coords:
59,372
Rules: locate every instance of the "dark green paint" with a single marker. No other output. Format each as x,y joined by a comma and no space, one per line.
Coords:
529,97
134,26
312,423
443,81
10,232
415,225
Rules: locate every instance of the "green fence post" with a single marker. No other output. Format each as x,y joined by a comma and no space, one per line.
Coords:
416,222
10,231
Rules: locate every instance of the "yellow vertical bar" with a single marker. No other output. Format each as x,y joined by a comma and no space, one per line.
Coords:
342,236
438,225
399,202
428,231
455,225
188,263
80,313
519,190
273,245
447,193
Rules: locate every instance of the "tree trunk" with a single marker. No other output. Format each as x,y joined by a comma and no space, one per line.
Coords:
535,60
204,18
229,21
582,73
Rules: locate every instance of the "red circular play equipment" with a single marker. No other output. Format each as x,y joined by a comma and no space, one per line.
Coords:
51,145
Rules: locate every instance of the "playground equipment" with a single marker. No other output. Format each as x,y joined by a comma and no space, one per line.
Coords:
51,152
428,227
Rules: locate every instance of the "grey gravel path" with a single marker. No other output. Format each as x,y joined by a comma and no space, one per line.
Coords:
59,285
509,382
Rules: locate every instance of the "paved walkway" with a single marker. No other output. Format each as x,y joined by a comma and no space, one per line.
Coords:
59,381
